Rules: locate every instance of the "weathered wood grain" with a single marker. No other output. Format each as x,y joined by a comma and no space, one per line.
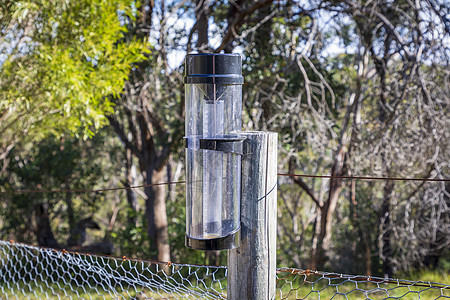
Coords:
252,266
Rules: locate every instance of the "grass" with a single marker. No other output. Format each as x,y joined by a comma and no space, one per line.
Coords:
63,290
440,276
36,292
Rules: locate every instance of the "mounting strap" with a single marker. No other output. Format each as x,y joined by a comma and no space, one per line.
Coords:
227,144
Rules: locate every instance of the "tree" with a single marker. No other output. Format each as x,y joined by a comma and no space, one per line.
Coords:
322,105
61,60
352,88
51,164
150,123
298,91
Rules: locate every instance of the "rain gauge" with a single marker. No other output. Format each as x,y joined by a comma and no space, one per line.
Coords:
213,150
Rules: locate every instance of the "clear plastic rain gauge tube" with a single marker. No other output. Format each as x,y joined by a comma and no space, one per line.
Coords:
213,150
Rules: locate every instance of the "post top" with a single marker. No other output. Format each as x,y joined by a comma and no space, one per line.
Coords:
213,68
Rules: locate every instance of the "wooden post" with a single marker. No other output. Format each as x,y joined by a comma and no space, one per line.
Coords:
252,266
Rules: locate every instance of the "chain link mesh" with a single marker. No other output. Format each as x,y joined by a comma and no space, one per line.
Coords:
34,273
307,284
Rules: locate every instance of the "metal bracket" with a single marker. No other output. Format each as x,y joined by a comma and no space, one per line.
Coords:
227,144
231,241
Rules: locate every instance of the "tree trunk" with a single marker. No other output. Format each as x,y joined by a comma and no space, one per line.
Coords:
233,10
44,233
326,221
149,211
212,258
314,240
160,215
156,214
329,207
367,255
70,214
201,14
386,249
131,195
145,19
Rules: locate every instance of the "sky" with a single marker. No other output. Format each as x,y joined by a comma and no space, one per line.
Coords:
177,54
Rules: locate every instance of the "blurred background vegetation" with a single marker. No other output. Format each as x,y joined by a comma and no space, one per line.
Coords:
91,97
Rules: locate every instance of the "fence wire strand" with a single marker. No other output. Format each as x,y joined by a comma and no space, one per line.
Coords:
183,181
31,272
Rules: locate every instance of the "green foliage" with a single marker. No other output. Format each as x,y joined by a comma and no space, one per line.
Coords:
63,67
131,240
67,164
64,59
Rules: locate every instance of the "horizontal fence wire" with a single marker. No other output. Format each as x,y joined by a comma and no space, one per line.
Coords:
183,181
91,190
368,178
32,272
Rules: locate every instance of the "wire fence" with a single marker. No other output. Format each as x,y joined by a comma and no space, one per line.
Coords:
183,182
33,272
30,272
